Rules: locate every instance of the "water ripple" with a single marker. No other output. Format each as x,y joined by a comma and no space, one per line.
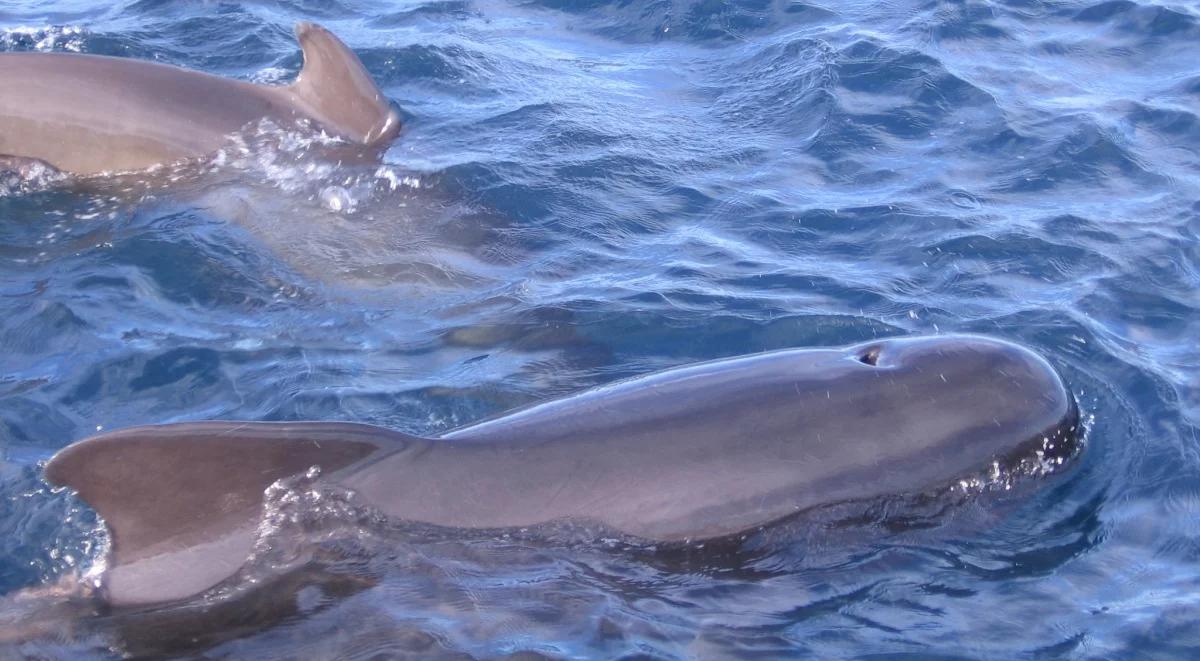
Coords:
587,190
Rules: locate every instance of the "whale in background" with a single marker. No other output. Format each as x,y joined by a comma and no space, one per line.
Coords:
88,114
697,452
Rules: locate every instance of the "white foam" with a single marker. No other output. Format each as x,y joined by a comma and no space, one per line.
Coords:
1046,460
44,39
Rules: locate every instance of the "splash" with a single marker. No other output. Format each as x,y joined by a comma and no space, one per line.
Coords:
306,520
26,177
1053,452
44,39
302,159
79,549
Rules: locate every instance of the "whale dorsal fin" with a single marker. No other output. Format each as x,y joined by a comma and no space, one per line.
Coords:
335,88
182,501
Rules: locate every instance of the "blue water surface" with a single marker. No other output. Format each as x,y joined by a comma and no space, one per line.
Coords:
589,189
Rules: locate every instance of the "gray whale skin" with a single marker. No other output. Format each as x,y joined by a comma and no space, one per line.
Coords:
88,114
696,452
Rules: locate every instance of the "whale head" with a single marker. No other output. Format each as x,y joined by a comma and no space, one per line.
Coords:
938,405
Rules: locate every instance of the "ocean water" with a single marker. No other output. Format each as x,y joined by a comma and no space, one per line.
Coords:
589,190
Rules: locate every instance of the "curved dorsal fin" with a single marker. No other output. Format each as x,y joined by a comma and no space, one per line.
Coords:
181,501
335,89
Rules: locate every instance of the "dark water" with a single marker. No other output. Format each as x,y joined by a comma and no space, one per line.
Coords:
590,190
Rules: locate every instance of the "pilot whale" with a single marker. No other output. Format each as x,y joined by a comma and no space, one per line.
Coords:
697,452
88,114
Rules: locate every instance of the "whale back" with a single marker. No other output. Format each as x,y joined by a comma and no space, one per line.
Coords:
88,114
713,449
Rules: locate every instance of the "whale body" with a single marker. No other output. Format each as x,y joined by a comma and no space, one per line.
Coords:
88,114
692,453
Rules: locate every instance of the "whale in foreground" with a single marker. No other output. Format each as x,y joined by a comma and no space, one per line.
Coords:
88,114
692,453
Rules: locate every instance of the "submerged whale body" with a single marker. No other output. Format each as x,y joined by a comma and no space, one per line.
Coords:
88,114
692,453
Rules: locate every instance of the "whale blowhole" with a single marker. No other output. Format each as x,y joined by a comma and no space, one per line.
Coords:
870,355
